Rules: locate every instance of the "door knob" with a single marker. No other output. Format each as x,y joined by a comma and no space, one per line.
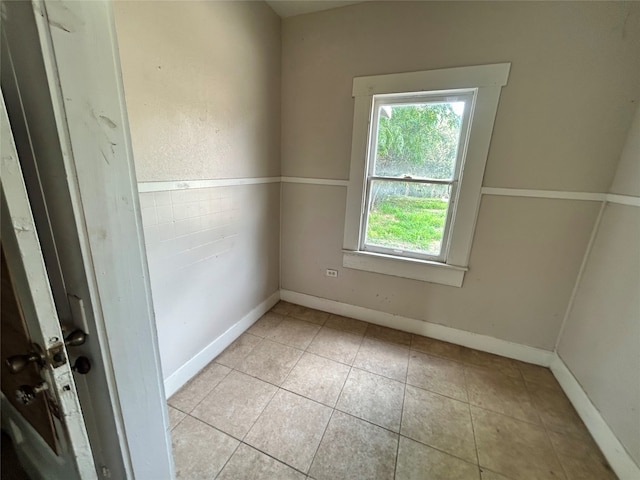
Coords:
27,394
75,338
17,363
82,365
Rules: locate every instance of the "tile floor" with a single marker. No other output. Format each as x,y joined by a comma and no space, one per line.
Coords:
308,395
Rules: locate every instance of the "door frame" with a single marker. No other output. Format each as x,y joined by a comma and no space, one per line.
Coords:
80,52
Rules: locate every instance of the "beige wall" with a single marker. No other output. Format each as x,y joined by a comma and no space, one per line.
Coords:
562,119
202,84
627,179
601,340
517,287
561,124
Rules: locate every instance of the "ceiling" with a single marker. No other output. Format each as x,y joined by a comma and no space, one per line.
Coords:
288,8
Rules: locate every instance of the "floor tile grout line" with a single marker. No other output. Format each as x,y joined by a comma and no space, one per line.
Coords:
307,398
364,419
273,458
253,424
411,347
258,378
179,421
258,417
369,325
433,391
409,438
179,409
472,404
511,417
353,362
435,448
246,332
300,357
240,442
404,395
542,423
541,426
333,359
473,428
548,435
228,459
309,321
333,411
555,452
490,410
439,394
277,343
324,432
211,390
465,364
328,358
263,408
361,335
214,427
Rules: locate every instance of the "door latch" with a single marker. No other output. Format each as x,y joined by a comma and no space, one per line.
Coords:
54,355
26,394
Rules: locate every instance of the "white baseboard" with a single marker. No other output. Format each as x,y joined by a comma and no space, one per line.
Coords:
615,453
187,371
440,332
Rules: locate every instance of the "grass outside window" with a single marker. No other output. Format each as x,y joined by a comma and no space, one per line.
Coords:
407,223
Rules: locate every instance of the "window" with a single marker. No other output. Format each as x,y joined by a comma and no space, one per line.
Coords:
420,144
415,153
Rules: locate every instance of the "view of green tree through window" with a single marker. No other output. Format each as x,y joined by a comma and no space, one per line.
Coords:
413,174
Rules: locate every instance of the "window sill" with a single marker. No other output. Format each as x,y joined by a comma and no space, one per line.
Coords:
422,270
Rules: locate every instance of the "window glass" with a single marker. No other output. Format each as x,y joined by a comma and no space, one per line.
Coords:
418,139
407,216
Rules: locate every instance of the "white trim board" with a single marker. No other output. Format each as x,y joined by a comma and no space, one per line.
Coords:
495,75
316,181
623,199
145,187
440,332
520,192
615,453
186,372
168,185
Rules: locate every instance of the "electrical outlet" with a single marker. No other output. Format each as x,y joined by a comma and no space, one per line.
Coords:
332,273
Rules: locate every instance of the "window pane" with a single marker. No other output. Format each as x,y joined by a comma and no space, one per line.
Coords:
419,139
407,216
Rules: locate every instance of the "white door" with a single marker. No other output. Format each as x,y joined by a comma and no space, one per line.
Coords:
89,188
25,263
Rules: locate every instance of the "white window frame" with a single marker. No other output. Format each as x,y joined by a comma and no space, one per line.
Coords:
486,82
467,96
